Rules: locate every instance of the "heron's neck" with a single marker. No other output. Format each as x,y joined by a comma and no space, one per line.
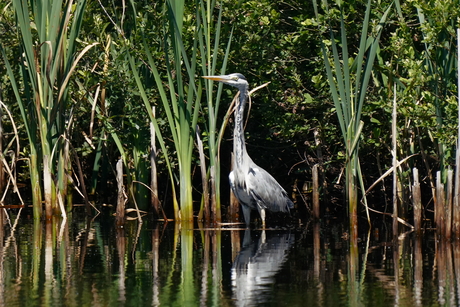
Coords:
239,146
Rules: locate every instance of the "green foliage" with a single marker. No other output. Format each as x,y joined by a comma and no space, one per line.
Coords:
419,54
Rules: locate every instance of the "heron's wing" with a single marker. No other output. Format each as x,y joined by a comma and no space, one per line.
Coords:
266,191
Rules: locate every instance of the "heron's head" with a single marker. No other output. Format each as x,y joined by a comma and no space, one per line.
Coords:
237,80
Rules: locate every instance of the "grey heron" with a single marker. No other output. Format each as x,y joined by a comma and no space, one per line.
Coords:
253,186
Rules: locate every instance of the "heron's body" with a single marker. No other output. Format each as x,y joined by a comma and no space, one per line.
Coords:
254,187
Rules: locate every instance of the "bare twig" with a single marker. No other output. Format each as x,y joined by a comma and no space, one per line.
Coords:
388,172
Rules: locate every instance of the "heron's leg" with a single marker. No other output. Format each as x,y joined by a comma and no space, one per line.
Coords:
262,216
247,214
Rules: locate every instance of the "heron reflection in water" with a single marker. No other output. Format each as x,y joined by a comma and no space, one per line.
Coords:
255,267
253,186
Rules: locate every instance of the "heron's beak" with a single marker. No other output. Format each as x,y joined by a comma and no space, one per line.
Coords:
218,78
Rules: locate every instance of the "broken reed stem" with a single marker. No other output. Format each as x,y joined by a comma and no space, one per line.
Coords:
439,210
417,202
448,208
121,199
315,192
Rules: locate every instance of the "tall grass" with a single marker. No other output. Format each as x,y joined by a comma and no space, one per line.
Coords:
348,79
48,37
209,48
180,98
181,107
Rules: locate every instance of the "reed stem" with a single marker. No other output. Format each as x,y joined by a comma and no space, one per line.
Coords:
315,178
417,202
153,170
121,199
394,137
456,204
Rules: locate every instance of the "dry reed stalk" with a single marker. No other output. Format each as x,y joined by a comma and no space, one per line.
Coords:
417,202
121,200
315,179
439,210
448,205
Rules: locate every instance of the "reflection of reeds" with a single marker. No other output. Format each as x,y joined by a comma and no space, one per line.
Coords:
418,271
49,263
205,236
155,266
444,268
353,270
187,285
187,267
456,261
121,248
37,248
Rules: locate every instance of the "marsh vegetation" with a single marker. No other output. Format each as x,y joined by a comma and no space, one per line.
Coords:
115,153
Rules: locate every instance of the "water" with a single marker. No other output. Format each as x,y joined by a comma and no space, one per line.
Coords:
82,262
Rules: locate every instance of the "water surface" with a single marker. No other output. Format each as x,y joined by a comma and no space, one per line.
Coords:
80,262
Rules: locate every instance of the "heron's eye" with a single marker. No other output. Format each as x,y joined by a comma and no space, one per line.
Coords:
235,78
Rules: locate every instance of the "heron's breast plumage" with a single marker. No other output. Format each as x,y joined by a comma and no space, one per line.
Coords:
239,188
